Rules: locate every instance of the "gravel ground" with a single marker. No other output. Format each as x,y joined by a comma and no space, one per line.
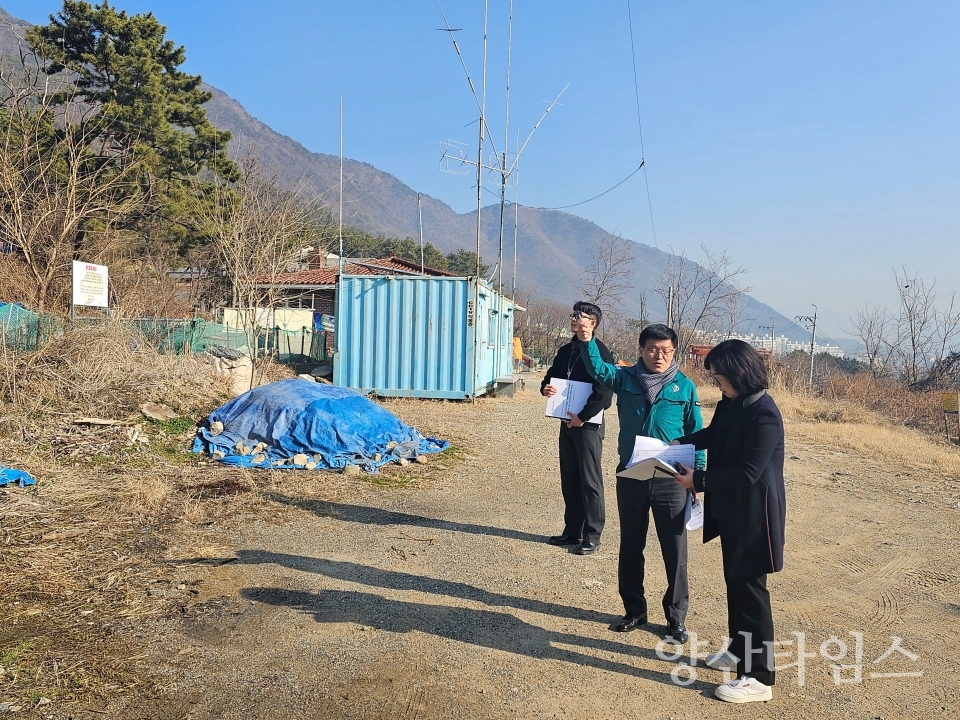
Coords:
443,600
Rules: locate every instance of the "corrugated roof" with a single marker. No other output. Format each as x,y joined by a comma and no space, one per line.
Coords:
375,266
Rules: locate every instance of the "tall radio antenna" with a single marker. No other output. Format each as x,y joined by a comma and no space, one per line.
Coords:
453,157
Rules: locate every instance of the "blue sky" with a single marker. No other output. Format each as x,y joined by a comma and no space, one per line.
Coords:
817,141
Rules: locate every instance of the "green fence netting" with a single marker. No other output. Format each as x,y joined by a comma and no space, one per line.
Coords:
25,331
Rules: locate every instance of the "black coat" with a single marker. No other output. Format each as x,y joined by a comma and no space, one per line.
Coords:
568,357
745,500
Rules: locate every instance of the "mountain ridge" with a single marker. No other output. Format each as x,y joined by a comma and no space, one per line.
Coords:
553,246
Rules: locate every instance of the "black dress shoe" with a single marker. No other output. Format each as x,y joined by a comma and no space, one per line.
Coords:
677,632
586,548
563,540
630,622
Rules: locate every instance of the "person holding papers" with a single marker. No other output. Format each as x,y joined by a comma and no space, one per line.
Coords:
656,400
745,504
581,439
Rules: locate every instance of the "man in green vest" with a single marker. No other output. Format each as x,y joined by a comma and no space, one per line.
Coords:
654,399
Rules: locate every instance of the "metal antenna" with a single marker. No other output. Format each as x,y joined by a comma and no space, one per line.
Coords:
463,64
453,157
483,122
340,262
545,113
516,224
506,146
420,223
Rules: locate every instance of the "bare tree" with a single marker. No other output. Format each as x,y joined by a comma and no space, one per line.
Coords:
258,233
609,274
543,328
914,325
921,334
912,342
705,294
63,190
870,327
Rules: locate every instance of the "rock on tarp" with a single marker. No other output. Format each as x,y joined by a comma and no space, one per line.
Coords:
332,426
9,475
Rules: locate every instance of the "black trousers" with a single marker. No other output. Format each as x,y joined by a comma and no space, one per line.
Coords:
581,481
750,623
667,500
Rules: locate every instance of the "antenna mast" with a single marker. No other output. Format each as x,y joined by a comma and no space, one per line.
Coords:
506,146
483,120
453,158
340,259
516,223
420,223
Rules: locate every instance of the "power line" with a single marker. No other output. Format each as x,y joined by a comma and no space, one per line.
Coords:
636,89
583,202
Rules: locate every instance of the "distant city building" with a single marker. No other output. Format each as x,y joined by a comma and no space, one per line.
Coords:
782,345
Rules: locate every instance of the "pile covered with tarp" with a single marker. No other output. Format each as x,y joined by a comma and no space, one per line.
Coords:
301,424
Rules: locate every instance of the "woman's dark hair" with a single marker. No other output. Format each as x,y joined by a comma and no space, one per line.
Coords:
589,309
657,332
740,364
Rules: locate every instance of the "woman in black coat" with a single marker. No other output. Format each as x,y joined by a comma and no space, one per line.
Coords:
745,504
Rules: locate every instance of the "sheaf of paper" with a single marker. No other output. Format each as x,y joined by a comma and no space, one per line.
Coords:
571,397
645,448
693,513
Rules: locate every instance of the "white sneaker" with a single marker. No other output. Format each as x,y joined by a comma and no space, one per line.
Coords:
743,690
723,660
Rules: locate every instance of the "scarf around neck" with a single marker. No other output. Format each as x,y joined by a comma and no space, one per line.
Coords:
652,383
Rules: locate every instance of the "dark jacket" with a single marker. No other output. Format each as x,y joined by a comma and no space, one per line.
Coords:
568,356
745,500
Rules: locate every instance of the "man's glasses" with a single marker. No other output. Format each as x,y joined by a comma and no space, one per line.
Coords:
715,379
658,351
580,316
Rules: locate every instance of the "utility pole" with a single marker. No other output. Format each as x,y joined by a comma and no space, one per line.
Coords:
669,307
773,335
811,323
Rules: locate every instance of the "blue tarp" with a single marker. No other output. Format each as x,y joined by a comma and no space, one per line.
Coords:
9,475
338,425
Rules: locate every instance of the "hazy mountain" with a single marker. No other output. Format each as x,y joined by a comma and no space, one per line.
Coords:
553,246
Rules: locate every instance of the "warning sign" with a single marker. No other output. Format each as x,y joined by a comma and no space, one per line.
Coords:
89,284
951,404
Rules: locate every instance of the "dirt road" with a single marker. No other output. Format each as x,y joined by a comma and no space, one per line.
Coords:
445,602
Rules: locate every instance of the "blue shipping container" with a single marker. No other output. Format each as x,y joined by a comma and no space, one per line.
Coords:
426,337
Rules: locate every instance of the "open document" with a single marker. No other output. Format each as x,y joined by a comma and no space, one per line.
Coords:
653,458
571,397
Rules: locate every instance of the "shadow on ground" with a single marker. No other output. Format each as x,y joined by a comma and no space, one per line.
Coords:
484,628
375,516
393,580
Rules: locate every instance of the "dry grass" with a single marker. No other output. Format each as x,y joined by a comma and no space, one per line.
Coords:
874,418
81,553
113,529
106,369
841,425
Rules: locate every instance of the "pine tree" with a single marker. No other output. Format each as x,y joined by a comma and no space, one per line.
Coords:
124,66
125,69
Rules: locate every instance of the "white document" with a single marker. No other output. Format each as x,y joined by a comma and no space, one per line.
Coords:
693,514
571,397
653,458
646,448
